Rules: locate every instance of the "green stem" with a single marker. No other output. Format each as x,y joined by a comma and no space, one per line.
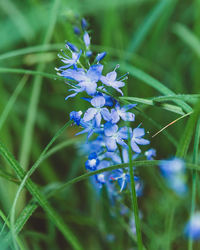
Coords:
134,201
194,177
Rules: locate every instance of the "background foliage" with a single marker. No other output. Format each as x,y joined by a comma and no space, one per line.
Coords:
157,42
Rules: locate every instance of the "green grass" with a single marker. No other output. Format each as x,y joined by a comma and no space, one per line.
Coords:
46,198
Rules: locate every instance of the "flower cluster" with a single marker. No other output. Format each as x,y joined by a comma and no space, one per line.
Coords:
105,120
108,126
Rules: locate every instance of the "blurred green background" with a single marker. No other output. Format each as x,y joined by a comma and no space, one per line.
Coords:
161,38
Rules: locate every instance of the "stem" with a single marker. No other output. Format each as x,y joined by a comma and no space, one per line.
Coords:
134,201
194,178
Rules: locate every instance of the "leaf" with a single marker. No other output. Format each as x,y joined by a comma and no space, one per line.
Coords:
149,80
192,98
139,36
40,198
28,50
187,134
188,37
12,100
169,107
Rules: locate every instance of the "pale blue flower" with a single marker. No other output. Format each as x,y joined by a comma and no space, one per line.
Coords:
86,39
69,61
87,81
76,116
174,172
97,111
90,128
114,136
121,177
192,229
122,113
111,81
136,139
101,178
150,154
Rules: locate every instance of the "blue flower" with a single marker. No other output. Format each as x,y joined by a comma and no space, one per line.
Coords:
92,162
84,24
97,145
138,186
150,154
172,167
114,136
87,81
88,53
86,39
102,177
76,116
98,111
77,30
113,156
72,47
89,128
174,172
192,229
100,56
110,80
121,177
122,112
69,61
137,135
125,155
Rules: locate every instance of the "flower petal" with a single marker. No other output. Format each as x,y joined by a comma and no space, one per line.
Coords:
121,142
72,95
142,141
110,129
86,39
111,76
114,116
110,144
127,116
89,114
106,114
138,132
98,101
94,72
98,119
124,133
135,147
129,106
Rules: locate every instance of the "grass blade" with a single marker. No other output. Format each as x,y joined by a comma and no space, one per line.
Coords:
32,169
143,29
187,134
12,100
40,198
194,176
29,209
188,38
149,80
169,107
37,85
28,50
